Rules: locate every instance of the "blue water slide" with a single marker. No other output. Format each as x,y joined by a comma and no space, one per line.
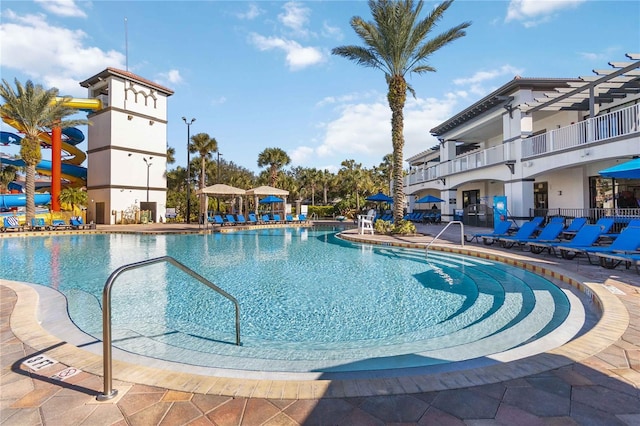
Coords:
8,201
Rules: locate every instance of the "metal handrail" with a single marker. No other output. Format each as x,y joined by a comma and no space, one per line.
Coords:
426,249
109,392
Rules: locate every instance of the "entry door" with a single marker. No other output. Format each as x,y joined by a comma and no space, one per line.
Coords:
100,213
470,198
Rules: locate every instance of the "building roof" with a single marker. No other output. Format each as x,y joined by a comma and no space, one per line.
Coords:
500,96
126,75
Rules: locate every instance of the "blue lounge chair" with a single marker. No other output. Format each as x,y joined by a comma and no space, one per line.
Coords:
76,222
586,237
289,218
266,219
230,220
627,241
502,228
12,223
276,218
252,219
59,224
612,260
216,220
548,234
575,225
240,219
526,231
302,217
38,224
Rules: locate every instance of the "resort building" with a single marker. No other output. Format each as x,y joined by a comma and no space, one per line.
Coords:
127,147
538,144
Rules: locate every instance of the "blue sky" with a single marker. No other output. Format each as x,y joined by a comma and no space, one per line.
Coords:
259,74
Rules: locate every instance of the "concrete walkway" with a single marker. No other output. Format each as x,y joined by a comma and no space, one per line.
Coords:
595,381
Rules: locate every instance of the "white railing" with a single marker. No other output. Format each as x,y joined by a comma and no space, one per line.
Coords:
618,123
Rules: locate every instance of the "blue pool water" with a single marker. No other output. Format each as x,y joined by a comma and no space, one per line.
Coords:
309,301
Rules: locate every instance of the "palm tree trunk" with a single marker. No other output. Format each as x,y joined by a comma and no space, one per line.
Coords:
30,192
397,97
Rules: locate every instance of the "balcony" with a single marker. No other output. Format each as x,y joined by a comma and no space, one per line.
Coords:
616,124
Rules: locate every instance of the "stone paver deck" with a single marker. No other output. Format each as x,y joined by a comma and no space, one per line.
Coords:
593,380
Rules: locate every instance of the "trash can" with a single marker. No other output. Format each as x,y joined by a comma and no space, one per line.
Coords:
458,214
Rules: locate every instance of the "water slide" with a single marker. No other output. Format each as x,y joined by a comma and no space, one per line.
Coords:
70,167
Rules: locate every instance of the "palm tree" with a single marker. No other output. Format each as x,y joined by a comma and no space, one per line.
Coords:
7,175
275,158
204,145
171,155
35,110
396,43
73,197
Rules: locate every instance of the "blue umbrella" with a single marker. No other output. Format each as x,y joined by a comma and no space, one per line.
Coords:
429,199
380,197
627,170
271,199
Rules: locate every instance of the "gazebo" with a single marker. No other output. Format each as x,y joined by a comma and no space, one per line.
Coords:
222,190
264,191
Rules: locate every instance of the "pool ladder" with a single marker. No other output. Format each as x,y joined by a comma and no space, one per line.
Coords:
109,392
426,249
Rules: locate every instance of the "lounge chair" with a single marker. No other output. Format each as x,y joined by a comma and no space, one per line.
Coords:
240,219
266,219
59,224
289,218
627,241
12,223
216,219
502,228
612,260
38,224
575,225
302,217
276,218
230,220
252,219
526,231
76,222
549,233
586,237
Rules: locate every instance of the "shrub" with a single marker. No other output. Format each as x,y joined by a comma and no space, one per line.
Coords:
383,227
404,227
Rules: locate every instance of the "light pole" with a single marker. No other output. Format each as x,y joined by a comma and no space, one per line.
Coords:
218,181
188,123
148,163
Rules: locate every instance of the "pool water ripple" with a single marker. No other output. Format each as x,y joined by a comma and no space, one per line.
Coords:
309,301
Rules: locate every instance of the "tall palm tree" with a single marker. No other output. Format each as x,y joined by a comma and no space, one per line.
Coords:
396,43
35,110
276,159
204,145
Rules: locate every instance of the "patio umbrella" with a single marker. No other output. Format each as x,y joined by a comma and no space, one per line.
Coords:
429,199
271,199
627,170
380,197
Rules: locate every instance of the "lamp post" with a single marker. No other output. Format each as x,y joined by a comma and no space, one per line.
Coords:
148,163
218,181
188,123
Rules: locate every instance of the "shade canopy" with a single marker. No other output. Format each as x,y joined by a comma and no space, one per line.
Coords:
221,189
627,170
380,197
270,199
267,190
429,199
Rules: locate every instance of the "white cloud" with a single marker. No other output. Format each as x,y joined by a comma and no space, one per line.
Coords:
67,8
301,155
482,76
172,76
297,56
295,17
252,13
219,101
52,56
535,12
331,32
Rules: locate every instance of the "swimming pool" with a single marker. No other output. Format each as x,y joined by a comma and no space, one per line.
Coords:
309,301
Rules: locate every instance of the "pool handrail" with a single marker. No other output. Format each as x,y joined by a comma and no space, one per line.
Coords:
426,249
109,392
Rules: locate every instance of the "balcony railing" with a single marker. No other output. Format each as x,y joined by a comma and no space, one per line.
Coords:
618,123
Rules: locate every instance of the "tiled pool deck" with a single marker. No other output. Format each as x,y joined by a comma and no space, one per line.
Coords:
594,379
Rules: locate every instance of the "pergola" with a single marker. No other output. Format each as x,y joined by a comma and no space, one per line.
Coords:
264,191
222,190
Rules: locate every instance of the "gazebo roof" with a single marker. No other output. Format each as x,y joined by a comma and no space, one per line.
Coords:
221,189
266,190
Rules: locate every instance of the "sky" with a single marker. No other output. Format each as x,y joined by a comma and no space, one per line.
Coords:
260,74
